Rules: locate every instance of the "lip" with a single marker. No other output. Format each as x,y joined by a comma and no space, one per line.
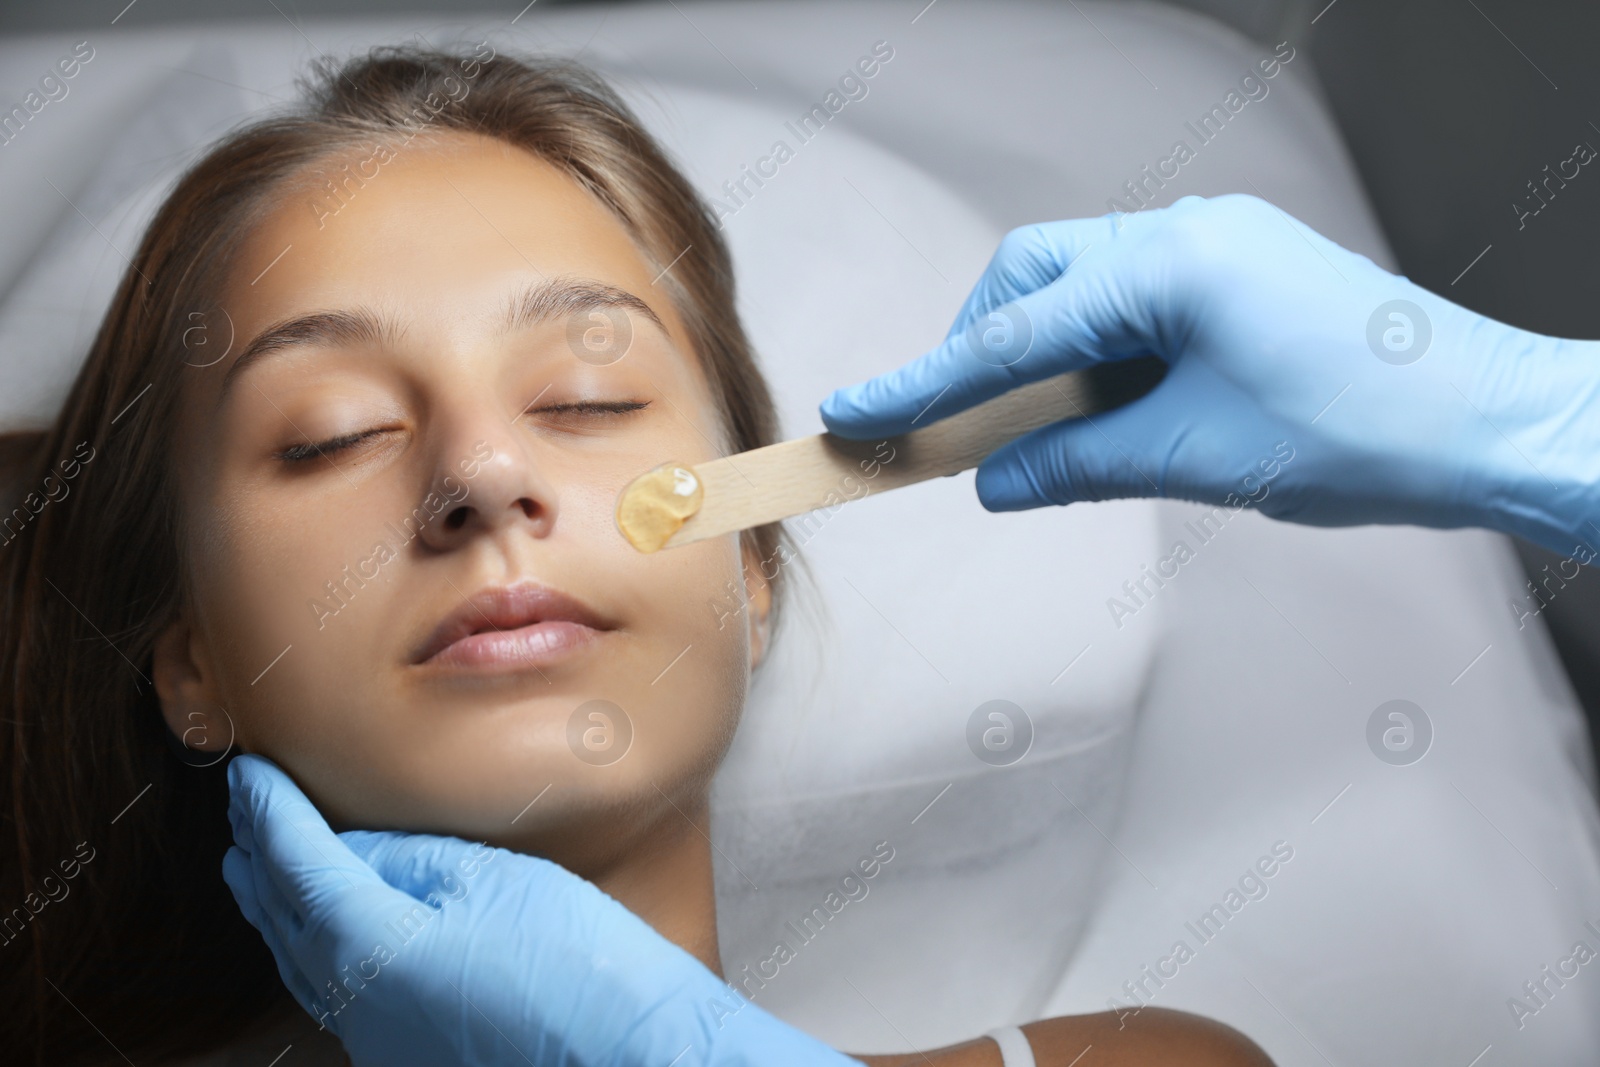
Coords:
508,627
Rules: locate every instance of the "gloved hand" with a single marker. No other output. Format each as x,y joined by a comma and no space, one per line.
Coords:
1303,379
428,950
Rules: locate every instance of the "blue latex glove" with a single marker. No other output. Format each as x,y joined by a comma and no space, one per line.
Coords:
1297,383
417,949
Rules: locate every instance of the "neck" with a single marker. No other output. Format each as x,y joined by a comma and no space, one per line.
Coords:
665,879
661,871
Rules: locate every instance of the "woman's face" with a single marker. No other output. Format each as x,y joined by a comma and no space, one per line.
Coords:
474,450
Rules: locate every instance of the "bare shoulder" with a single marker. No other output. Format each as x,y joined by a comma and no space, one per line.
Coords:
1155,1036
1148,1035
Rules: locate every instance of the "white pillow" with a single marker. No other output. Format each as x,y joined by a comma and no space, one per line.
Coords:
49,316
1420,896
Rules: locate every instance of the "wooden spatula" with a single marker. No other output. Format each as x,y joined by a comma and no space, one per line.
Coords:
794,477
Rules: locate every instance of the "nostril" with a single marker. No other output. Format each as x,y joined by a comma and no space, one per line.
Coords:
456,519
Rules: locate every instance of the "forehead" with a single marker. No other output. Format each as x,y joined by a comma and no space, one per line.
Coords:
429,225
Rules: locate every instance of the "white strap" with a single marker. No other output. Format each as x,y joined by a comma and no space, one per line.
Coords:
1014,1048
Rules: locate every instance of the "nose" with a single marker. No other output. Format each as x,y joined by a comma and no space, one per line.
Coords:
486,474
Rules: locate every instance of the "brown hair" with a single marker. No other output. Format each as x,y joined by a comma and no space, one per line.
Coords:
106,806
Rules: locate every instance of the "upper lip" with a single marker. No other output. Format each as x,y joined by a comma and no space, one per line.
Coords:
509,607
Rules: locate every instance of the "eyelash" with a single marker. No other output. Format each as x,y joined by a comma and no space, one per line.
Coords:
303,453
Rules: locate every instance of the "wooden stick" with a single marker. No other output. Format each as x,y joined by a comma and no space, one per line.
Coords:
793,477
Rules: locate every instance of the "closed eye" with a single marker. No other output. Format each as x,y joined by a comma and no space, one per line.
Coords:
592,407
303,453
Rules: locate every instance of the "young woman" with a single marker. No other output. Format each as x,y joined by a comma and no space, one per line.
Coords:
335,485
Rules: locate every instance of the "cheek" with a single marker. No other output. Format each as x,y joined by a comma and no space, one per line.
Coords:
692,598
282,641
690,658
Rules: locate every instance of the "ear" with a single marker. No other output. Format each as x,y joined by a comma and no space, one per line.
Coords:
186,684
758,595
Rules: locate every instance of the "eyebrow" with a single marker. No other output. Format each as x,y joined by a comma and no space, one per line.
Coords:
536,303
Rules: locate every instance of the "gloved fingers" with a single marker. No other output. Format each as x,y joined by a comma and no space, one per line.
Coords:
939,383
306,863
1064,463
1103,309
259,898
1129,452
239,873
241,879
420,864
265,908
1196,436
1028,259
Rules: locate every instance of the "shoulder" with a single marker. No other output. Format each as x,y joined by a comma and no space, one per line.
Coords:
1146,1035
1156,1036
